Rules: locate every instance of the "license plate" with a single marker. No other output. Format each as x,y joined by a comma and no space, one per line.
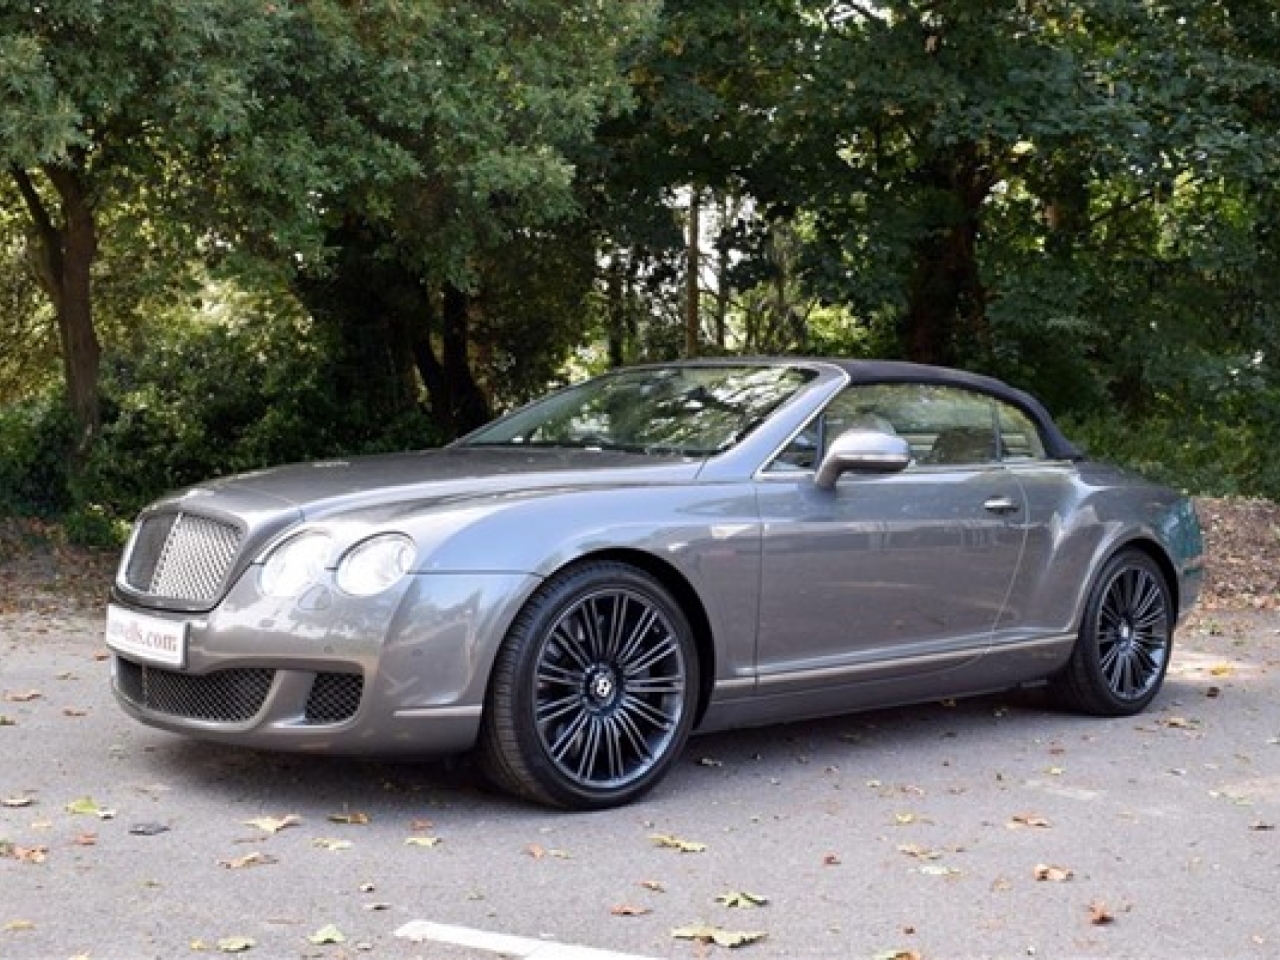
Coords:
147,638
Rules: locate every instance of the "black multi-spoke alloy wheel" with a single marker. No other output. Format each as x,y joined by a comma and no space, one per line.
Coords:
1125,641
593,692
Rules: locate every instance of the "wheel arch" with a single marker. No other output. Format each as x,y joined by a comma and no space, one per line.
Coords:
690,603
1157,554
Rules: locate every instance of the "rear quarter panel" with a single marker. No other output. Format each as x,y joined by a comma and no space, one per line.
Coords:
1080,514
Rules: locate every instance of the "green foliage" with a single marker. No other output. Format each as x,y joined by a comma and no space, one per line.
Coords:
212,399
35,436
197,400
1199,454
1076,196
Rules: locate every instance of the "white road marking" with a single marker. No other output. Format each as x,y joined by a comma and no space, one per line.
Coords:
522,947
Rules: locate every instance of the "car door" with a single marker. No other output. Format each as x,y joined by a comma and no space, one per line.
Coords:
887,574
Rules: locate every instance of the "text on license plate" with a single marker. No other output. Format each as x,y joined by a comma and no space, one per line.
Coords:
145,637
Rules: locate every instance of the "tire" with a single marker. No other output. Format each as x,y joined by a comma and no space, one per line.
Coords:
593,692
1125,642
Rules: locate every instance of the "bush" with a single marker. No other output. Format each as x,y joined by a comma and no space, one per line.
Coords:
201,400
34,471
1201,455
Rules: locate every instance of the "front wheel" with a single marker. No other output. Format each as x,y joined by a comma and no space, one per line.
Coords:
1125,641
593,692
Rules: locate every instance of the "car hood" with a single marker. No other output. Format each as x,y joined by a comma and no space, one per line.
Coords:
430,477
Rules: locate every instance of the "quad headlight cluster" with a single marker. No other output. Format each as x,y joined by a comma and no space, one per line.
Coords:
365,569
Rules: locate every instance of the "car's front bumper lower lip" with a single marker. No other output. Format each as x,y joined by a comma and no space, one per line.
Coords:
286,717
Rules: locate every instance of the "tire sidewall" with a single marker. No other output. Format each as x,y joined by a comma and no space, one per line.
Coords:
1089,644
529,638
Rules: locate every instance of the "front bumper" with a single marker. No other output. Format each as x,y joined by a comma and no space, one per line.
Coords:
400,674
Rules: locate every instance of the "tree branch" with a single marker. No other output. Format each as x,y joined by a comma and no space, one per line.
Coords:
49,234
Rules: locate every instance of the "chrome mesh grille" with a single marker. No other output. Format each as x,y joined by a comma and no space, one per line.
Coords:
226,696
334,697
182,556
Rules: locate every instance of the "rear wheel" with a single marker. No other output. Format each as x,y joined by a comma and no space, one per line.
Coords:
593,692
1125,641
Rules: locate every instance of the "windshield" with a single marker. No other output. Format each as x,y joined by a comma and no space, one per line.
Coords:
692,411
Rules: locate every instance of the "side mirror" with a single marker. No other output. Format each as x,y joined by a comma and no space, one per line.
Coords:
865,451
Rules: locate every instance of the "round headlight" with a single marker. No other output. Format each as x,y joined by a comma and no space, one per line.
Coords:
374,565
295,564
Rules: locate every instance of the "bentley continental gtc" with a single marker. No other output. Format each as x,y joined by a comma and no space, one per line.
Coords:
572,590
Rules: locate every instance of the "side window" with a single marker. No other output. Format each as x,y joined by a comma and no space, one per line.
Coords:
854,407
1019,437
942,425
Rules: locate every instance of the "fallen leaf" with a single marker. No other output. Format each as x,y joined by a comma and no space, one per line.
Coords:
675,843
88,806
710,762
919,852
719,936
274,824
1099,915
148,829
331,843
538,852
355,819
86,840
628,910
236,944
7,721
938,870
654,885
25,696
16,801
831,860
1053,874
16,926
1027,820
421,841
327,934
74,712
254,859
29,854
897,955
741,899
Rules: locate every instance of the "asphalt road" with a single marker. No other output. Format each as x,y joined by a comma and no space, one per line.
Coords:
992,828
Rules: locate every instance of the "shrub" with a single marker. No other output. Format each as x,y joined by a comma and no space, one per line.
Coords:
1202,455
201,400
34,471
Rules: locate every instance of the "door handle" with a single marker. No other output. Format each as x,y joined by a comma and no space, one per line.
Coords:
1001,505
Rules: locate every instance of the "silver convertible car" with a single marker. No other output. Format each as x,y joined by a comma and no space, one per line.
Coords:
573,589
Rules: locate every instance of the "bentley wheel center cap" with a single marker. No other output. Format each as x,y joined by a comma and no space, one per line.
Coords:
601,685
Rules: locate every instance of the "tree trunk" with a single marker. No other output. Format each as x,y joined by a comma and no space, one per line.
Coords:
946,320
615,312
64,265
467,404
726,215
692,317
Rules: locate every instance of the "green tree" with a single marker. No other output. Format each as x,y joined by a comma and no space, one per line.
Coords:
101,106
420,140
